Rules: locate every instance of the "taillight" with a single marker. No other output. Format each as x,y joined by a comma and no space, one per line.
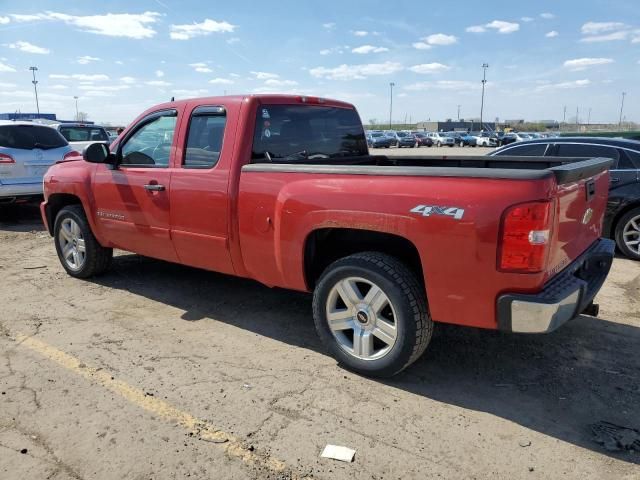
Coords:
6,159
525,234
73,155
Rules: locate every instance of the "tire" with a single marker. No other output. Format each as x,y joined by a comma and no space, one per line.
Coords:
626,234
401,311
72,230
439,144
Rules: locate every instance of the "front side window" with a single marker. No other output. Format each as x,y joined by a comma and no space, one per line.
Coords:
204,141
296,133
150,145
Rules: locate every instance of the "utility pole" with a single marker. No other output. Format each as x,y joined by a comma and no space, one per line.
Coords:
577,122
459,112
589,117
77,114
624,94
484,80
35,87
391,85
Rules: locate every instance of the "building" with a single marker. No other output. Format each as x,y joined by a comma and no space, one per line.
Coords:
455,126
27,116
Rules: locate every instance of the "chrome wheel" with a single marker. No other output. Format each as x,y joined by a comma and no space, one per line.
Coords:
72,244
361,318
631,234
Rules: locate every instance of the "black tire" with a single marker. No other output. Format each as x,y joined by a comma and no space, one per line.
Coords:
620,227
439,144
97,258
413,323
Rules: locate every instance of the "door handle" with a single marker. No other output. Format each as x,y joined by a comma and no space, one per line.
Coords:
154,187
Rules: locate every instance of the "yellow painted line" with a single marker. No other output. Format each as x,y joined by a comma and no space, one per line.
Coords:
231,445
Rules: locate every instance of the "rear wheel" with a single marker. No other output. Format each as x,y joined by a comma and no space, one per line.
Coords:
439,144
628,234
371,313
78,250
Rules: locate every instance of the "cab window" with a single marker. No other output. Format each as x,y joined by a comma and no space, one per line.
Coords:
204,139
150,145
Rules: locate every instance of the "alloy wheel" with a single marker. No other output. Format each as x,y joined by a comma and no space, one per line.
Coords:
72,244
631,234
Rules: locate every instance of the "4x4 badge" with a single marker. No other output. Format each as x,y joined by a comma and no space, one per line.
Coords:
428,210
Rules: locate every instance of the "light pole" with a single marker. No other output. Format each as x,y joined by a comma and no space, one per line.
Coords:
624,94
391,85
459,112
484,80
35,87
589,117
577,121
77,114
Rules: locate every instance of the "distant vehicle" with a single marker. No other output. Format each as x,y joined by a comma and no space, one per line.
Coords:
439,139
513,137
467,140
622,217
393,136
422,140
112,135
408,140
27,150
485,139
378,140
80,135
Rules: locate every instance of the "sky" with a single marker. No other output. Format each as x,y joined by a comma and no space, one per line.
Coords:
121,57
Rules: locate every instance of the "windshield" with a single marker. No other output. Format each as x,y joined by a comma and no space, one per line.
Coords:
28,137
84,134
300,132
377,135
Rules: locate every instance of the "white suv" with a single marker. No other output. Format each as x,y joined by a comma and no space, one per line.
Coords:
80,135
440,139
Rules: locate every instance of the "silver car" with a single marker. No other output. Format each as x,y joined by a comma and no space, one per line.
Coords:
27,150
80,135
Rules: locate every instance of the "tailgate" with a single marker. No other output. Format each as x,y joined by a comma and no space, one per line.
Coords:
581,198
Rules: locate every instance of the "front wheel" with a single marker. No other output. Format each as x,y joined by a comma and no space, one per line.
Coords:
371,312
439,144
628,234
78,250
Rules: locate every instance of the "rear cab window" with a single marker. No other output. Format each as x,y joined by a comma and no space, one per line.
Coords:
29,137
300,133
204,137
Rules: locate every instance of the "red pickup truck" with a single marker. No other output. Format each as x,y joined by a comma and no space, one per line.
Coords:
282,189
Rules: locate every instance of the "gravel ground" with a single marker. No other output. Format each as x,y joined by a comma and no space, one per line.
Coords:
160,371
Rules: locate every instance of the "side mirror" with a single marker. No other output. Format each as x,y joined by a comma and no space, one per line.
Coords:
97,153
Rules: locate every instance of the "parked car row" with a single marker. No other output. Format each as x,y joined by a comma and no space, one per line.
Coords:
28,149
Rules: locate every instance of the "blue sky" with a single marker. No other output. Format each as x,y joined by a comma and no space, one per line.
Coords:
121,57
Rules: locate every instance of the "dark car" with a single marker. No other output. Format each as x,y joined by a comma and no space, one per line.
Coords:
467,140
422,140
378,140
622,219
408,140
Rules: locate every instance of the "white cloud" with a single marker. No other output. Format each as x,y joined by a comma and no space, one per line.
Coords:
58,87
476,29
440,39
207,27
526,19
159,73
551,34
221,81
610,37
421,46
119,62
564,85
86,59
81,77
503,27
158,83
105,88
430,68
361,33
190,93
4,20
6,68
29,48
128,25
264,75
233,40
128,80
594,28
200,67
355,72
583,63
364,49
329,26
98,93
273,82
547,15
442,85
7,85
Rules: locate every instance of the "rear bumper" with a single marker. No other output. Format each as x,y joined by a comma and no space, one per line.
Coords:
14,190
563,298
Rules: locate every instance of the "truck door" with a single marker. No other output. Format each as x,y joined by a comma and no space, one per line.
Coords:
199,189
132,201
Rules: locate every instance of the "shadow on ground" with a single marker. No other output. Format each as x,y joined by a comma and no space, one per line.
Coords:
557,384
20,217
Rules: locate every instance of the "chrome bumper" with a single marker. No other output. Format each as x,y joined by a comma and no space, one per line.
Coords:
563,298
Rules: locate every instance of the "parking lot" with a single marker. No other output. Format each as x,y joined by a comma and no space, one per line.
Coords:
431,151
156,370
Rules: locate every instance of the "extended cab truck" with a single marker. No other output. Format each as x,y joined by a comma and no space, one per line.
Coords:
282,189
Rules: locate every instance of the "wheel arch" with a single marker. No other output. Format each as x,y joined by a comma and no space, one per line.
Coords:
55,203
619,214
323,246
